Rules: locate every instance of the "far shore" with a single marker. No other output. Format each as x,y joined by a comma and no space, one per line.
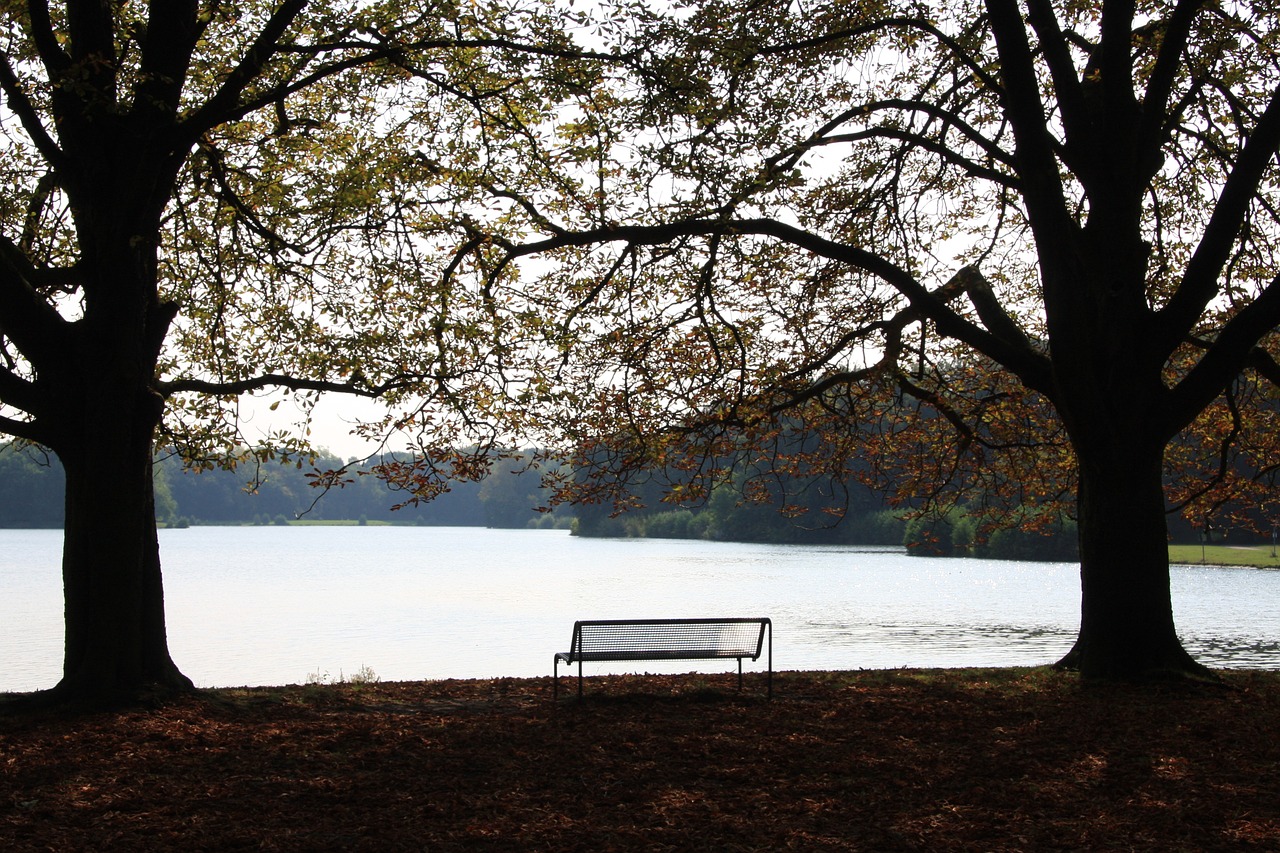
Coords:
1255,556
1251,555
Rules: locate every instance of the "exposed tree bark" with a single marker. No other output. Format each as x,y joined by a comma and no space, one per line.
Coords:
101,422
1126,614
116,641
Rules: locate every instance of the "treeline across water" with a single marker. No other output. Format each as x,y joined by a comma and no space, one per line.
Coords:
281,493
276,493
857,516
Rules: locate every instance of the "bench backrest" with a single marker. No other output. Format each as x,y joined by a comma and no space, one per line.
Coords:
667,639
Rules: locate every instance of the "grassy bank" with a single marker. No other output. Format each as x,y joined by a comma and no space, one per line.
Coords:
991,760
1224,555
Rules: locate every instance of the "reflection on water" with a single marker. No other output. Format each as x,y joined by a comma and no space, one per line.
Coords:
1236,652
272,605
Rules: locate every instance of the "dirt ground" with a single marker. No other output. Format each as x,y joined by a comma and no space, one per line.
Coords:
973,760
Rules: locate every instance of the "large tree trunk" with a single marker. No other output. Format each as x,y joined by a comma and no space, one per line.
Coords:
1109,388
116,641
1126,623
106,419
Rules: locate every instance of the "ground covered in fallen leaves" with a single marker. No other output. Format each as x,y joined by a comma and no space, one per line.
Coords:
980,760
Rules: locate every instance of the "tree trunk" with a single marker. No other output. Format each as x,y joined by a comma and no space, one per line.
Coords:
116,640
1126,623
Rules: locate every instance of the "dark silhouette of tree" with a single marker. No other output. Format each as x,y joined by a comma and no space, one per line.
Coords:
820,212
202,199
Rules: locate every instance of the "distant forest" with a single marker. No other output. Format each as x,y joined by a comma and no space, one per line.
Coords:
279,493
275,493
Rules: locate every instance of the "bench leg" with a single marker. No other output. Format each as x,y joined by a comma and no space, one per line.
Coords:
739,675
579,680
770,660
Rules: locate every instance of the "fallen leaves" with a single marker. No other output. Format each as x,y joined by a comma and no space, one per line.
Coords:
993,760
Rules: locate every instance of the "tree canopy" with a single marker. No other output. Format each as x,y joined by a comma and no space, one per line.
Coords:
1035,241
1045,229
202,199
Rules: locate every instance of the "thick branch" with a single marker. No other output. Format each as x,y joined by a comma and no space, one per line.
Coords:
51,53
1155,124
173,30
1200,283
1037,164
225,103
278,380
19,393
1066,81
992,313
1265,366
28,430
16,99
35,328
1115,64
1029,365
1234,348
1224,458
91,32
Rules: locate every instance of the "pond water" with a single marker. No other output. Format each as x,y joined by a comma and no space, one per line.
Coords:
280,605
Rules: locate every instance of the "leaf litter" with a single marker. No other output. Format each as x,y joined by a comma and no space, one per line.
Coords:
962,760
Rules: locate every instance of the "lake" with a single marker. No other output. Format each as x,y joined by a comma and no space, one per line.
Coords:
281,605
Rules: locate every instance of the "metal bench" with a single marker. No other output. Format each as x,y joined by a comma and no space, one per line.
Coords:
598,640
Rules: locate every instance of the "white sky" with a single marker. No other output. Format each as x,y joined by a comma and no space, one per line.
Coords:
332,421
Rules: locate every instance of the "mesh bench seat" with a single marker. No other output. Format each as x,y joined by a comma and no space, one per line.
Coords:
606,640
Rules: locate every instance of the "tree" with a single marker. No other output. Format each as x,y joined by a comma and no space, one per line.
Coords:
511,495
204,199
837,205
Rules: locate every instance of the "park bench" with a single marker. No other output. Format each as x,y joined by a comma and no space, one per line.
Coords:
604,640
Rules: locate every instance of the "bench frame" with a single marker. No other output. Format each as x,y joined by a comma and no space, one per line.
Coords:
671,650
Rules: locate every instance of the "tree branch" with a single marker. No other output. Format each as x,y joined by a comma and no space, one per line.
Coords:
958,422
1066,81
16,99
20,394
1265,366
992,313
1038,167
1199,283
51,53
1154,124
174,29
34,326
949,119
1030,365
1234,348
26,430
947,153
225,103
280,380
971,65
1224,461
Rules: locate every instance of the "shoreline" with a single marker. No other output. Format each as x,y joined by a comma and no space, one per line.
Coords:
1226,556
